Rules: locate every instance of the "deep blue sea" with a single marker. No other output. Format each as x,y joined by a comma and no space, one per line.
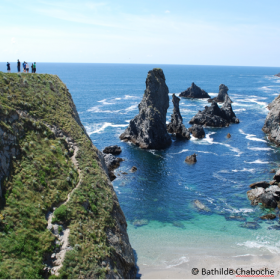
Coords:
160,194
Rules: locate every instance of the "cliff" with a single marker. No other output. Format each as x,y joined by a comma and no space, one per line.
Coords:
271,125
148,128
59,214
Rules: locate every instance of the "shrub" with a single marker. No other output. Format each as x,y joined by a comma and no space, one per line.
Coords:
60,213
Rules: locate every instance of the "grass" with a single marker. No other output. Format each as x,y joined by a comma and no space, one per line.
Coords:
42,176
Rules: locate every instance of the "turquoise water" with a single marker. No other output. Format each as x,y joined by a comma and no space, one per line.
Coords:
160,194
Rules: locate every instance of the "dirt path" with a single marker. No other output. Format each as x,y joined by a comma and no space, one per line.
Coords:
63,236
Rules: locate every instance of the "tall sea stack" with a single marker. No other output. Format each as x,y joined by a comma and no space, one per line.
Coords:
176,125
222,95
148,128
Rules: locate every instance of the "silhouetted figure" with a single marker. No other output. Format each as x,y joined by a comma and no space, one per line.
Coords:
18,65
8,67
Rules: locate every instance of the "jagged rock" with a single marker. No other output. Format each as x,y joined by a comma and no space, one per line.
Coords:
201,206
250,225
272,171
197,131
273,182
215,116
176,125
262,184
268,200
112,163
228,135
254,194
276,177
148,128
133,169
194,92
191,159
114,150
222,95
272,121
268,217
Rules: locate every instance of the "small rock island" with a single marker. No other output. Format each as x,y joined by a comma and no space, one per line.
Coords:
148,129
194,92
222,95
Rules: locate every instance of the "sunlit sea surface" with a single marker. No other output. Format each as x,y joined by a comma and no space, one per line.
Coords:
160,194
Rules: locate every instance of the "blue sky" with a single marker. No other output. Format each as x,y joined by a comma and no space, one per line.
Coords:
197,32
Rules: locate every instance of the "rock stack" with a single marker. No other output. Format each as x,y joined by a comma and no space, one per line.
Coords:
216,116
176,125
221,95
148,128
194,92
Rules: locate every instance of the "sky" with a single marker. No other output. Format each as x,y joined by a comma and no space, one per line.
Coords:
190,32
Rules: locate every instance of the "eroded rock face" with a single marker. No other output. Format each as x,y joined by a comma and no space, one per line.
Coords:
223,89
191,159
112,163
197,131
176,125
194,92
272,121
148,128
114,150
215,116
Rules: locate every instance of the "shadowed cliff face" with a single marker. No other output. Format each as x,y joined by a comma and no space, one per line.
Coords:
39,129
148,128
272,121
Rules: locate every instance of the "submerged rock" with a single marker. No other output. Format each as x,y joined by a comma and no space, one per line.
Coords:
197,131
222,95
176,125
178,224
201,206
250,225
235,218
276,227
228,135
191,159
148,128
194,92
114,150
215,116
139,223
268,217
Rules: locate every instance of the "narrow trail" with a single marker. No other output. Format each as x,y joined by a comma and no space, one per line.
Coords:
63,236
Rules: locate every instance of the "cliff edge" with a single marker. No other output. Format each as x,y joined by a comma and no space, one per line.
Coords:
59,214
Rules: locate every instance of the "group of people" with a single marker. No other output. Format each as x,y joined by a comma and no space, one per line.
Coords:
25,66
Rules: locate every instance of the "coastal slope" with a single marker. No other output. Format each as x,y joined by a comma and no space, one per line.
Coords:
59,214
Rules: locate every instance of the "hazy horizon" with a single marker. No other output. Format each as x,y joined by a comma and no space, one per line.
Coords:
179,32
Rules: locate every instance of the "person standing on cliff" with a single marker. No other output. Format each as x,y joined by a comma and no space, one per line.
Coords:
8,67
34,67
23,66
27,67
18,65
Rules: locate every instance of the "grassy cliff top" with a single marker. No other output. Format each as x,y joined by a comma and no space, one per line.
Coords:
42,175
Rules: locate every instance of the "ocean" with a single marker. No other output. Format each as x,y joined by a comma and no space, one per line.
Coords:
165,228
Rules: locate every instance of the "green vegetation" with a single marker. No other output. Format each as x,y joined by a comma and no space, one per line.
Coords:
42,177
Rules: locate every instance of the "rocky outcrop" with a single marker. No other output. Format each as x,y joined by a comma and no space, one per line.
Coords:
277,75
114,150
191,159
194,92
148,128
112,163
197,131
272,121
268,217
216,116
262,184
268,197
222,95
176,125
